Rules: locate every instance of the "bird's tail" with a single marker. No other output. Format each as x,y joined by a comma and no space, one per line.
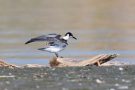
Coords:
28,42
31,40
42,49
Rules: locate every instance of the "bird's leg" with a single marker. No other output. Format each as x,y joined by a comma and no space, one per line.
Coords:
61,57
56,54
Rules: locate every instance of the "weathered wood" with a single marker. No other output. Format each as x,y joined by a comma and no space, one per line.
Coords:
67,62
97,60
4,64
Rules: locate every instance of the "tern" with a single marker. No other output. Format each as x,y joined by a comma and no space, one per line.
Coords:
56,42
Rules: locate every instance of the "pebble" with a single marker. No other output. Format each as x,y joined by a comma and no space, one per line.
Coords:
116,84
99,81
80,84
10,74
8,82
5,89
112,89
123,87
126,81
121,69
65,89
37,86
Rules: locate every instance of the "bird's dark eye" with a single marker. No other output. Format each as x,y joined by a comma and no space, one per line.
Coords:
69,33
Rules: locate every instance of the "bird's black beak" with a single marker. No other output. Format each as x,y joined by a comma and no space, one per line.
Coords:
74,37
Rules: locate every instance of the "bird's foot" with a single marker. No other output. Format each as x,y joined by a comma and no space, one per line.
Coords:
57,56
61,57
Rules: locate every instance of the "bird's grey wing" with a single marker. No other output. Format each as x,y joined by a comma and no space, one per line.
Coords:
53,35
59,43
48,38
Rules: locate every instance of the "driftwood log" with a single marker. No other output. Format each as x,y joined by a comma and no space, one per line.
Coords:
4,64
98,60
68,62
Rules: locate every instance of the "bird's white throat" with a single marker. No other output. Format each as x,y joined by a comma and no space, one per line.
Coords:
66,37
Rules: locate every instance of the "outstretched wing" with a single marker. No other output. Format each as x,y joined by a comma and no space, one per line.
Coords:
48,38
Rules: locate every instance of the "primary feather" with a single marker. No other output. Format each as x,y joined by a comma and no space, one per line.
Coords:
48,38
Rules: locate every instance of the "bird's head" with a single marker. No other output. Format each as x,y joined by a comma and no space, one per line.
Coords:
68,35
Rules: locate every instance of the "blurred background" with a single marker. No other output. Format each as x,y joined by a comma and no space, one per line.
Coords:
101,26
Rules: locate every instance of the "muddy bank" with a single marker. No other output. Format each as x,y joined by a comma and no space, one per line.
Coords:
68,78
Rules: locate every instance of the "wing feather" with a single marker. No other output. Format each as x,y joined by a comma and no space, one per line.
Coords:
48,38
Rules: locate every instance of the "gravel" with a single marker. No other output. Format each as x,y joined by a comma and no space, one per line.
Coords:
68,78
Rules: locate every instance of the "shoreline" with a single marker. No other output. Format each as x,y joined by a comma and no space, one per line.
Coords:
4,64
68,78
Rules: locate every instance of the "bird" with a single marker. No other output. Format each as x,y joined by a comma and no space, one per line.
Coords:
56,42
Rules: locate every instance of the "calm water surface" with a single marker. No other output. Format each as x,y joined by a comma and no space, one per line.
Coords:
89,43
101,27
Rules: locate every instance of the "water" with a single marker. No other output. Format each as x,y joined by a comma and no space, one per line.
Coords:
101,27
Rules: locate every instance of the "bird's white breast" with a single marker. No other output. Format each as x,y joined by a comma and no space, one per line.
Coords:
53,49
